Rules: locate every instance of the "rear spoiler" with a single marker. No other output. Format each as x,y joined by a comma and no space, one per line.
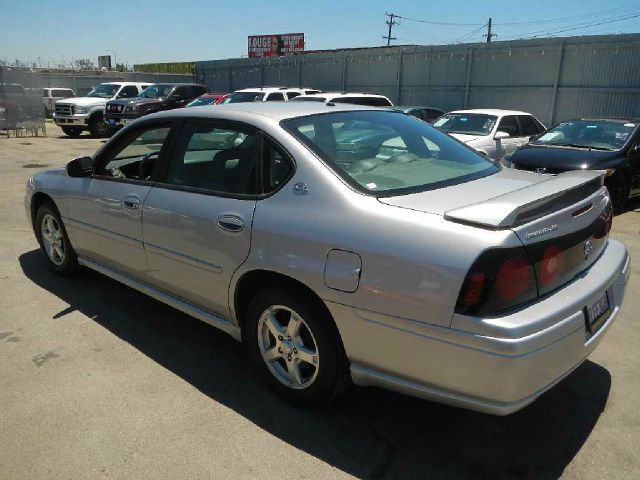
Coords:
531,202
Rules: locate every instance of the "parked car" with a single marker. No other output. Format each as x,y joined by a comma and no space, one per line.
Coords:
608,144
155,98
266,94
75,115
208,99
51,95
493,133
429,270
428,114
370,99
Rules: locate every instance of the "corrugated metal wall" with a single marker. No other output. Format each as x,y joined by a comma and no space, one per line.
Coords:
554,78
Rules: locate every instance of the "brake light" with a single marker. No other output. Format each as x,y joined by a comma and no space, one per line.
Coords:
499,279
551,265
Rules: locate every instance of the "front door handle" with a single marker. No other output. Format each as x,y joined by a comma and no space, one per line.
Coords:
131,202
231,223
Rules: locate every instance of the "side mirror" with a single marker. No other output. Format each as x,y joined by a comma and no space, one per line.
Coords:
533,138
501,135
80,167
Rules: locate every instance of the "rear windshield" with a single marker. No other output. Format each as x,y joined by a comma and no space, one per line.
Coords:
594,134
387,153
242,97
466,123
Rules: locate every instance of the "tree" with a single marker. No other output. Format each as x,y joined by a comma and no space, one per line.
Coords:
83,64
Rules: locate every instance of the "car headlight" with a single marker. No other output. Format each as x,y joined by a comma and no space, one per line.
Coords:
81,110
131,108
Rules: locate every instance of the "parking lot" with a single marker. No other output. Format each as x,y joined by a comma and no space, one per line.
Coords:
100,381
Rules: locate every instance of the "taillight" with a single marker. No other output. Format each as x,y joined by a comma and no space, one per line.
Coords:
551,265
499,279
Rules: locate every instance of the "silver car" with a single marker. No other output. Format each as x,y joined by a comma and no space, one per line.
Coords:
347,244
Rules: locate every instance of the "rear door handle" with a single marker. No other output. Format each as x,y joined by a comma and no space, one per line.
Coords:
231,223
131,202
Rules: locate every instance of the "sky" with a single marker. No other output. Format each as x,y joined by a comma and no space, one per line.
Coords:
143,31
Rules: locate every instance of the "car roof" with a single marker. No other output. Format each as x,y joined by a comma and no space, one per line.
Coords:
126,83
411,107
272,89
274,110
492,111
344,94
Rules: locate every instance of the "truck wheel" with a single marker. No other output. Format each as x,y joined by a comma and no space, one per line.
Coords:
295,345
97,127
72,131
53,240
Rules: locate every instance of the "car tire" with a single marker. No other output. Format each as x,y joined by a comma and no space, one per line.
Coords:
309,344
72,131
97,127
619,191
54,242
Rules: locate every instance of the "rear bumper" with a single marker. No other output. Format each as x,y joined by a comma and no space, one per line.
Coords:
496,365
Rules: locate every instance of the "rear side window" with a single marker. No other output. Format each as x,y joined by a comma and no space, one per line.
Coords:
198,90
509,124
275,96
62,93
276,168
291,95
216,159
129,91
529,125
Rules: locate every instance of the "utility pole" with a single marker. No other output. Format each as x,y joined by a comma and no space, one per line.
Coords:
391,23
489,35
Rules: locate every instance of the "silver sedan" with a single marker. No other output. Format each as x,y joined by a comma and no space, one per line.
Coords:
347,244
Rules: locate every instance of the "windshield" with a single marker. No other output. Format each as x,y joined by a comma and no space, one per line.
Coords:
156,91
198,102
303,98
596,134
388,153
466,123
106,90
242,97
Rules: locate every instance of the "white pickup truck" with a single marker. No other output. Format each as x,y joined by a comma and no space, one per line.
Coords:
75,115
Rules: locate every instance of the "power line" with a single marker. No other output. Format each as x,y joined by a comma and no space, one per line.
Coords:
438,23
573,17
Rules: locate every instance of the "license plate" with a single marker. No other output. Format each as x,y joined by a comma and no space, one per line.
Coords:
597,313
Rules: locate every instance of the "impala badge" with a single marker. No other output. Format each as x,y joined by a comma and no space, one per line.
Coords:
542,231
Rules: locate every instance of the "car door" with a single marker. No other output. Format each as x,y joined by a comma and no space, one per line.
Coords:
197,219
106,216
179,97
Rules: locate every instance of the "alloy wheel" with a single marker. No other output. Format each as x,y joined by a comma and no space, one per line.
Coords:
53,239
288,347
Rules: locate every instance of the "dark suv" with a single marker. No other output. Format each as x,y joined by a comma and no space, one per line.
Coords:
155,98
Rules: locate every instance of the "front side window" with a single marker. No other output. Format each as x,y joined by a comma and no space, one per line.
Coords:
156,91
136,156
106,90
594,134
466,123
214,158
529,125
509,125
304,98
291,95
388,153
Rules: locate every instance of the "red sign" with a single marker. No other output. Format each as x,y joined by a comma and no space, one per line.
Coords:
275,45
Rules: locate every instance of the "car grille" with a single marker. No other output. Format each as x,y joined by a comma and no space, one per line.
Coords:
65,109
115,108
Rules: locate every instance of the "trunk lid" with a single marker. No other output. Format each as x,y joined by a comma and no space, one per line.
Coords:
562,221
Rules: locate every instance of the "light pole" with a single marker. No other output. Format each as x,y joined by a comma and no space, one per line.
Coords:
115,59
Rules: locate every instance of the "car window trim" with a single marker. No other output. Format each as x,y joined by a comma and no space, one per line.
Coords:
102,158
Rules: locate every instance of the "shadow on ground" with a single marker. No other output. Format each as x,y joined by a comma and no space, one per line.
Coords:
368,433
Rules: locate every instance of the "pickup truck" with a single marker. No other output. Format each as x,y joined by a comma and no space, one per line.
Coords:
75,115
156,98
